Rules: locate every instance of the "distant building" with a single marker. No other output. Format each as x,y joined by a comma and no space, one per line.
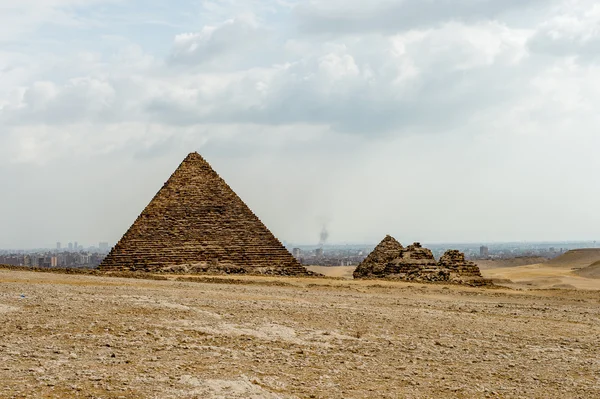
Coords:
319,252
75,246
296,252
103,247
58,246
70,246
54,261
484,251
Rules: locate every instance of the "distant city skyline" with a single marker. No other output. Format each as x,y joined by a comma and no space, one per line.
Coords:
570,244
316,254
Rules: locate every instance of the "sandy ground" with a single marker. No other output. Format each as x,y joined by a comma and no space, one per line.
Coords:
576,259
575,270
334,271
68,336
540,276
512,262
591,271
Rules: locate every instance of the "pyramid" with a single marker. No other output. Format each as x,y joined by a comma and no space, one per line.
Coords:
418,264
196,223
390,260
455,261
413,259
374,264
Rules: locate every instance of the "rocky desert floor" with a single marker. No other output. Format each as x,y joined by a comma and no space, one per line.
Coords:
64,336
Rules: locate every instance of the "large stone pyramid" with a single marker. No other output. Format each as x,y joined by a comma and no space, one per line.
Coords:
196,223
374,264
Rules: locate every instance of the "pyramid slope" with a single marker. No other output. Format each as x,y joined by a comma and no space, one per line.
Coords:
196,223
374,264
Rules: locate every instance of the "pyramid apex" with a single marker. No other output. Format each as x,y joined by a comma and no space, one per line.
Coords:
195,157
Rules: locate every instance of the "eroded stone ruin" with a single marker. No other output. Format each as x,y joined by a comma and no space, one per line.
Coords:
374,264
414,259
415,263
197,224
455,261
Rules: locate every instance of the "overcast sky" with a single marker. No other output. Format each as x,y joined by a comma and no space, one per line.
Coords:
431,120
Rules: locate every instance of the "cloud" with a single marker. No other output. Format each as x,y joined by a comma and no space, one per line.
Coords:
370,86
335,105
573,32
234,38
24,17
367,86
45,102
394,16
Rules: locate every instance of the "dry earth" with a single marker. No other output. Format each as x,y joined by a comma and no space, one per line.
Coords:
540,276
511,262
576,269
73,336
591,271
334,271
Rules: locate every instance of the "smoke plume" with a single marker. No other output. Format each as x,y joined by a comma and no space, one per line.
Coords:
323,236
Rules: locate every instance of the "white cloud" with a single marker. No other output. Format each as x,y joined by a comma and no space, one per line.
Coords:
23,17
461,103
393,16
575,31
234,38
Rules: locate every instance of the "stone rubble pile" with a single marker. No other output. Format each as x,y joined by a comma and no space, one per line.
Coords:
196,223
415,263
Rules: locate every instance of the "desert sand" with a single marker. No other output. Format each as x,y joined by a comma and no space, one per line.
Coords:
76,336
512,262
334,271
577,269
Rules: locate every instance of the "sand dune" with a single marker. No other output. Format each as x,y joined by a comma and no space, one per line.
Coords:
591,271
512,262
576,258
540,276
576,269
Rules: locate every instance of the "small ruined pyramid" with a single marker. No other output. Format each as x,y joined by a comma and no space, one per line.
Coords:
413,259
456,262
196,223
374,264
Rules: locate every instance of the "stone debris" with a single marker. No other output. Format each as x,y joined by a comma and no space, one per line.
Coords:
415,263
374,265
197,224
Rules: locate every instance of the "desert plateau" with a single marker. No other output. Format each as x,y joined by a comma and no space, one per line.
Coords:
79,336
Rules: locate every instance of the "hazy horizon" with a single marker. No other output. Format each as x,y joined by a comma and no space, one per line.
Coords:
85,245
462,122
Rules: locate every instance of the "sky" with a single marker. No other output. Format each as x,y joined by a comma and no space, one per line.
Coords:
431,120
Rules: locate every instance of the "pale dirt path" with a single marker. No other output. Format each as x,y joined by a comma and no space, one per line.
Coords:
99,337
